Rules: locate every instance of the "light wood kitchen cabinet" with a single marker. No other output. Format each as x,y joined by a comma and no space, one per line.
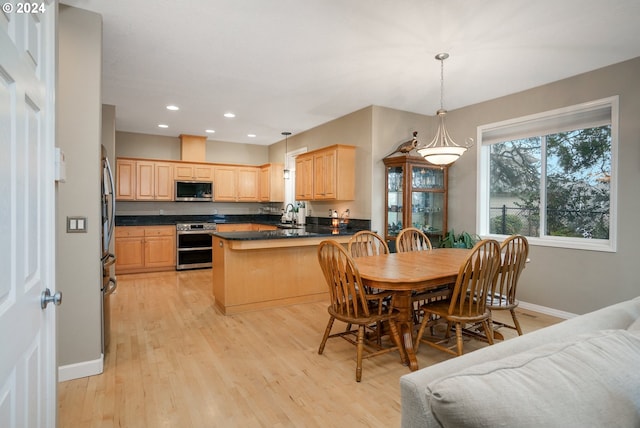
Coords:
272,182
304,178
145,180
145,248
154,181
248,184
244,227
234,227
236,183
262,227
163,181
149,180
192,171
129,248
125,180
332,175
224,182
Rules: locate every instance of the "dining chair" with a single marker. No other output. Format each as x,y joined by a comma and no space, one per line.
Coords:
367,243
468,301
515,250
413,239
350,304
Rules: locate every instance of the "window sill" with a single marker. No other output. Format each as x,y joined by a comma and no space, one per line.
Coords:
607,246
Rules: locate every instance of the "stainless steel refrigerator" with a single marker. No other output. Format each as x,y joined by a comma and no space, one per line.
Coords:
107,258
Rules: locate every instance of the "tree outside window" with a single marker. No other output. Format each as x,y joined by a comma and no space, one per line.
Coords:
550,177
577,178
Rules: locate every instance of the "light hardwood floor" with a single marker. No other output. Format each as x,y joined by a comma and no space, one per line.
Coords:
175,361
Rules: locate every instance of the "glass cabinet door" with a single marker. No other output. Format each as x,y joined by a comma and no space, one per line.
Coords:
427,212
395,199
426,179
427,199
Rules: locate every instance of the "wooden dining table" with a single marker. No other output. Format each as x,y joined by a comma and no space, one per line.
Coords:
404,273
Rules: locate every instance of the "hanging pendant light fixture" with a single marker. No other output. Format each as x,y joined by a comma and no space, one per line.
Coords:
287,173
442,150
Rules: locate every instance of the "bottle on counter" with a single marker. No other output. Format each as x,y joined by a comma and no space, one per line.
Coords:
335,222
344,218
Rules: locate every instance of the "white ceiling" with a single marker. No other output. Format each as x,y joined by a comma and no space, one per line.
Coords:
290,65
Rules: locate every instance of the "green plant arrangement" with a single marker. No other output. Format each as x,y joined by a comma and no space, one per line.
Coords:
462,240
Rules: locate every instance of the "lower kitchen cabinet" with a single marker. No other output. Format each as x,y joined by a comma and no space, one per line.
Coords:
244,227
145,248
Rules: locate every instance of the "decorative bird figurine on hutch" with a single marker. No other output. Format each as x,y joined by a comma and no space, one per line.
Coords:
407,146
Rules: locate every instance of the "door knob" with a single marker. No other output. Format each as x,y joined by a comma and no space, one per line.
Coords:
46,298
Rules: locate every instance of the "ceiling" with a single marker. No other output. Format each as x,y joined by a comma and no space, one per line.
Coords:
291,65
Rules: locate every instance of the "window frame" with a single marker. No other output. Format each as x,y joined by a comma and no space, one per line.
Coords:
483,171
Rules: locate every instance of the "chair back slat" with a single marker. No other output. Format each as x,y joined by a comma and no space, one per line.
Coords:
367,243
475,280
515,250
412,239
342,278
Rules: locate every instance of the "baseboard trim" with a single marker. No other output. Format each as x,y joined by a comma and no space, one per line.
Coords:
82,369
547,311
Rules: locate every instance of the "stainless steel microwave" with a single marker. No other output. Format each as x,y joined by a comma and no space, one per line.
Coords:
189,191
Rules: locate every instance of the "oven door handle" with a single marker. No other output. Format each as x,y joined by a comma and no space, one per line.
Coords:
195,232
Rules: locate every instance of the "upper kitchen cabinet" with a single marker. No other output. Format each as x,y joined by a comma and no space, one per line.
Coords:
154,181
272,182
192,171
326,174
143,180
415,196
224,182
236,183
304,178
125,180
248,184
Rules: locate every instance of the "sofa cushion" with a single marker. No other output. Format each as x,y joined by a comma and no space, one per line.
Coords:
588,380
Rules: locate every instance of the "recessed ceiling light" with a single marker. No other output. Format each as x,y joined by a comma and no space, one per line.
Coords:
209,131
162,125
229,115
173,108
251,135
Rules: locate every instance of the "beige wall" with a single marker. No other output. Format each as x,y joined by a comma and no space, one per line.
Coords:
353,129
390,129
130,144
575,281
78,124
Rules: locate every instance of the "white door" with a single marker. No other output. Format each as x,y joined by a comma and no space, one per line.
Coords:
27,211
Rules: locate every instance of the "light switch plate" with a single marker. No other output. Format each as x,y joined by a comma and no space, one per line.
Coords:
76,225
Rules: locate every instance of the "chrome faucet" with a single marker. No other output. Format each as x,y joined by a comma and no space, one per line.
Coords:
291,218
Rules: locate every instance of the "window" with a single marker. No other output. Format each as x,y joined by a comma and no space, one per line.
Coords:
551,177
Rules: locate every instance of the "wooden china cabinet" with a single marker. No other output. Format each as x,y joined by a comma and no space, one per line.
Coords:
415,196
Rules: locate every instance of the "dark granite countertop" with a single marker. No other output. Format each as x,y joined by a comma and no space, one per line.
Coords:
316,226
307,231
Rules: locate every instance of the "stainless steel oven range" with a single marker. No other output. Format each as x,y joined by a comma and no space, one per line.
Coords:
194,245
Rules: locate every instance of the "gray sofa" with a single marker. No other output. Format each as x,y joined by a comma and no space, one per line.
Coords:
582,372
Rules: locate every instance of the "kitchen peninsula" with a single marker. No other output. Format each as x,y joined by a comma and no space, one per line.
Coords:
262,269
